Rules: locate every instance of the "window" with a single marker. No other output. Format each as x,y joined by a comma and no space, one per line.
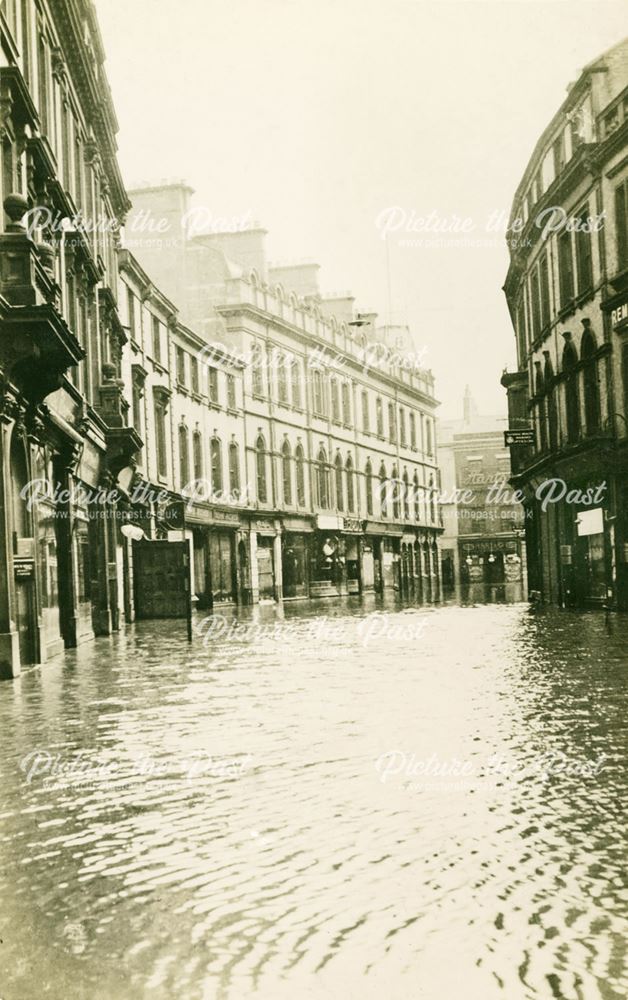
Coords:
584,259
544,291
540,407
42,74
215,453
346,404
180,366
521,334
130,308
282,379
368,482
286,473
350,485
194,374
535,301
296,383
572,395
212,385
552,420
78,169
365,412
565,266
319,394
234,470
339,485
335,401
260,462
379,416
432,500
621,224
412,431
257,371
383,499
322,492
160,406
591,388
396,499
558,148
197,450
417,495
402,427
428,437
184,458
406,497
300,464
231,392
392,423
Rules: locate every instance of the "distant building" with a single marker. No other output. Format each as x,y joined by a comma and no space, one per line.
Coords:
567,291
333,418
481,549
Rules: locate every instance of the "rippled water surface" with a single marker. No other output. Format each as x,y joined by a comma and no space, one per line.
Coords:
248,817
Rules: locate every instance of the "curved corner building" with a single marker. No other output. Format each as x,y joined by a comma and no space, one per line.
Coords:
567,292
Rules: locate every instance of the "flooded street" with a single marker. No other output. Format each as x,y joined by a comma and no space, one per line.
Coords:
309,806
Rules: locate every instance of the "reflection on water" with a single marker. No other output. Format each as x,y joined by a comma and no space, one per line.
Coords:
423,804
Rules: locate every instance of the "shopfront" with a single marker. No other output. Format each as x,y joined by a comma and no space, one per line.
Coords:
295,557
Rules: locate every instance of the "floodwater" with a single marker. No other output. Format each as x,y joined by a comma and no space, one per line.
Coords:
325,801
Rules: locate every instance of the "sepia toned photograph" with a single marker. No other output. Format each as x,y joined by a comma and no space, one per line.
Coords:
313,500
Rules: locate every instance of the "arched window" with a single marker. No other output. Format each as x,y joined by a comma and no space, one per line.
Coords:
300,464
286,473
432,500
260,468
572,394
550,392
234,470
417,495
383,490
215,451
368,478
340,502
350,485
322,490
197,449
396,490
406,490
184,456
591,388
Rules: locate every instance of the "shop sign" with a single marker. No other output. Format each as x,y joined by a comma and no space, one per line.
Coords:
225,517
352,524
24,568
328,522
620,314
519,435
590,522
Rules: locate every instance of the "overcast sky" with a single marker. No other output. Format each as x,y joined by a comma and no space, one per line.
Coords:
317,116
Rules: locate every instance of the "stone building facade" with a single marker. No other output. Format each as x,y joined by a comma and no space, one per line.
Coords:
333,422
64,437
567,291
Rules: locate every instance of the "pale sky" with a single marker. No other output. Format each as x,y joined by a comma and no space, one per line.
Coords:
316,116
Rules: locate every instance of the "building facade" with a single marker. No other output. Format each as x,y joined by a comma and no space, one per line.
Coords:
567,292
64,438
332,423
482,546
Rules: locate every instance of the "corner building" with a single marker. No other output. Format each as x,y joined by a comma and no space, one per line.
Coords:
567,292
